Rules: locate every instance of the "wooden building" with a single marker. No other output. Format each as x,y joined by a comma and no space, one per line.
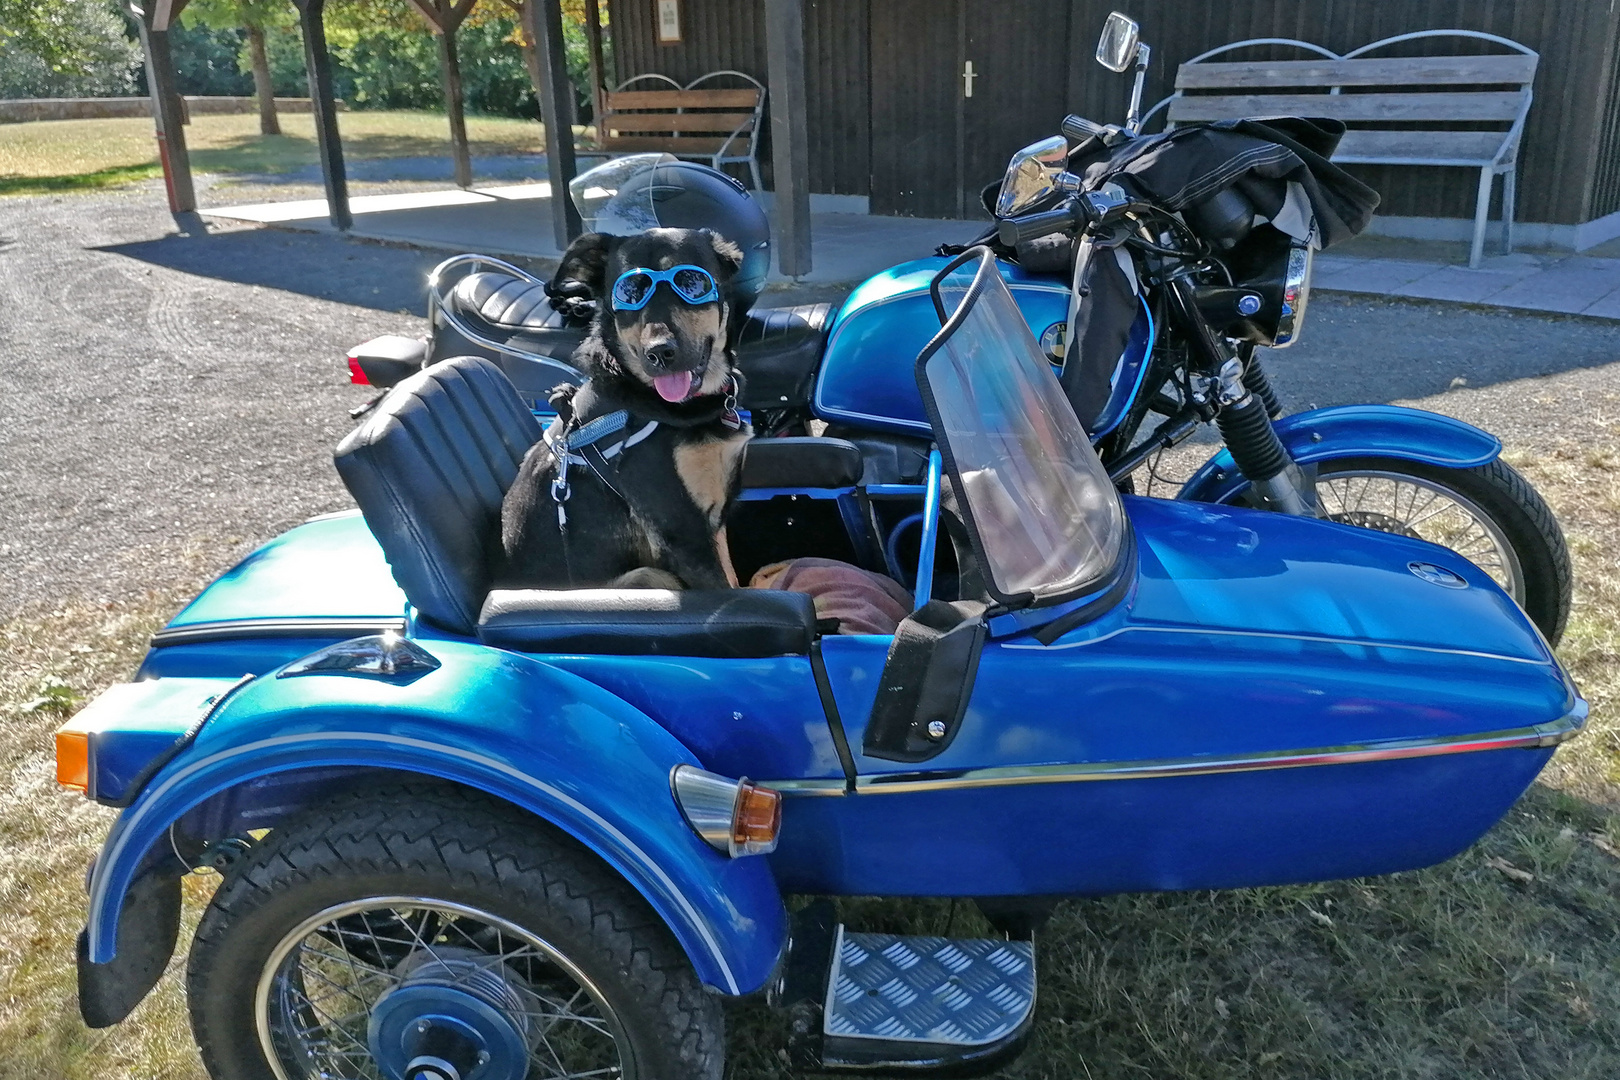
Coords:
891,118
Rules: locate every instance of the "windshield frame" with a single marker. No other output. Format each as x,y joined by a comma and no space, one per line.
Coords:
1103,578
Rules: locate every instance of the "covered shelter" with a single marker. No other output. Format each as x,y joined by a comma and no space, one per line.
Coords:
541,22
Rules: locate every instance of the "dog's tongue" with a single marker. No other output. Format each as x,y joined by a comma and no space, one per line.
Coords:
674,387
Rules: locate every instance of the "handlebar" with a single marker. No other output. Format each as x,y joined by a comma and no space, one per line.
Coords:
1015,230
1079,128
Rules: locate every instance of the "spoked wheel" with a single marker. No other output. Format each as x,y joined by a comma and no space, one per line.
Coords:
1490,515
433,935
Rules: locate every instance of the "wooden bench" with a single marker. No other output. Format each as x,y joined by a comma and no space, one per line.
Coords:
717,124
1464,111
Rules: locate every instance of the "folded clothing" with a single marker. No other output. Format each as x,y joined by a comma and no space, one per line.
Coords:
861,601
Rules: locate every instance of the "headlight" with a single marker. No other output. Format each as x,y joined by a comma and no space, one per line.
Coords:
1296,294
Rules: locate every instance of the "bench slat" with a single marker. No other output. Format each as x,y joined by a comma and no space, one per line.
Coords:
678,146
725,123
1470,147
746,98
1453,106
1383,71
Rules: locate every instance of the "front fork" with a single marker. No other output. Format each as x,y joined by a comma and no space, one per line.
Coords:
1240,396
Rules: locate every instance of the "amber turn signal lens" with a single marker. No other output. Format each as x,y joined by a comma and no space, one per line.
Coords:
757,819
73,759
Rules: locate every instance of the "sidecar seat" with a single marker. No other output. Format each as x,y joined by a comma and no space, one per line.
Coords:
429,468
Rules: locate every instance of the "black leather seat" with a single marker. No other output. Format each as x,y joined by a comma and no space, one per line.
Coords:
778,350
801,462
429,468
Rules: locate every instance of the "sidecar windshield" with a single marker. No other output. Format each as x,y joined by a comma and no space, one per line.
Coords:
1037,502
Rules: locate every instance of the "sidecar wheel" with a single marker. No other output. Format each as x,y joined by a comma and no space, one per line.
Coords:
378,936
1490,515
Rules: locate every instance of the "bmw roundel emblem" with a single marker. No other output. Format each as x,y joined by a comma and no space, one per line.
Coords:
1437,575
1053,340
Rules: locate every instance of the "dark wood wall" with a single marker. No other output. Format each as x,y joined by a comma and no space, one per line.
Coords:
1569,164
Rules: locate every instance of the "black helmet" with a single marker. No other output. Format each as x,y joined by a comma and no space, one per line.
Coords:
657,191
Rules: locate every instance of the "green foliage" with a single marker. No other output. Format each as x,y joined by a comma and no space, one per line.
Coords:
64,48
53,696
206,60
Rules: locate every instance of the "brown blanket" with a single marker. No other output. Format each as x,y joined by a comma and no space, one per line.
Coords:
861,601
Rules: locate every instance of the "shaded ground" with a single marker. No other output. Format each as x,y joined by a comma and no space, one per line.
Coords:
170,401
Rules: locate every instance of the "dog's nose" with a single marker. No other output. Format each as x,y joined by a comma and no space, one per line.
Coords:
660,353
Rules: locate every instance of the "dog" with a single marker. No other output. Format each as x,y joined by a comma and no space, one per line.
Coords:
632,483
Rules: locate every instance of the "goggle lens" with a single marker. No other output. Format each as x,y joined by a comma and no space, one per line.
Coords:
632,289
692,284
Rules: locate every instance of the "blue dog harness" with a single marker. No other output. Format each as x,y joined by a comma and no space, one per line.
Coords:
584,446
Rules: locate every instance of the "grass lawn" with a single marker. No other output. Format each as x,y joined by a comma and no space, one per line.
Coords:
67,155
1502,962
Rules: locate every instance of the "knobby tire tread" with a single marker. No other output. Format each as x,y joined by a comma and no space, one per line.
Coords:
464,839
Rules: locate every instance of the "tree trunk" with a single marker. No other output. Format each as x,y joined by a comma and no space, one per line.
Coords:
269,123
452,108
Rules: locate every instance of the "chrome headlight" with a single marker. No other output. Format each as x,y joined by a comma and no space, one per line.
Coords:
1032,174
1296,294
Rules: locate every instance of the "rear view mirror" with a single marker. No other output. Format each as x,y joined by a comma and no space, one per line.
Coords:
1116,49
1031,174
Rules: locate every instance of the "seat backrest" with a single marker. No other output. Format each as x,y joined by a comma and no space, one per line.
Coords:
683,121
429,468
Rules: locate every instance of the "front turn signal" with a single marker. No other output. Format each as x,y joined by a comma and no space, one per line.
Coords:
735,817
73,757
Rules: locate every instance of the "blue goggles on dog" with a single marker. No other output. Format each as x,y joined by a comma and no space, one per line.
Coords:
634,289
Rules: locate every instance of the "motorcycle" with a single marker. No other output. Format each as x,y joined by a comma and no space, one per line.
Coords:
1178,258
506,834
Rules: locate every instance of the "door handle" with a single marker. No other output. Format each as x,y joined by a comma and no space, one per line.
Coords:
968,75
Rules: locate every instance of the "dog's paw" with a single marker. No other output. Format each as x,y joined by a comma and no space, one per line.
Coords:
648,577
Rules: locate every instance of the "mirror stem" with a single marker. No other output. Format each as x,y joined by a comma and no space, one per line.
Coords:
1133,118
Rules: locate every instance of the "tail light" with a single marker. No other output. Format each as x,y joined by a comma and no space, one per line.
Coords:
357,374
735,817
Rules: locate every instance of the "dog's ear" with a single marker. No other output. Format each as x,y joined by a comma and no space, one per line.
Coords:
585,261
729,254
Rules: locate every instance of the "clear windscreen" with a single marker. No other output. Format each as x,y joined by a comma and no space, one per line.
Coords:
1043,512
608,202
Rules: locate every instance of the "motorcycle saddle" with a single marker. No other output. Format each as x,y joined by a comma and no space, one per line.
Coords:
778,349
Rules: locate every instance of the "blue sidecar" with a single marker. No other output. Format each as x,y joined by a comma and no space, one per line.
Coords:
503,834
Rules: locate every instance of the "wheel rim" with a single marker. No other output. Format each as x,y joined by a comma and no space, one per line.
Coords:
346,993
1425,510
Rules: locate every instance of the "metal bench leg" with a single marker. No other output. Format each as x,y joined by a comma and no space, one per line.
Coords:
1509,186
1481,210
753,167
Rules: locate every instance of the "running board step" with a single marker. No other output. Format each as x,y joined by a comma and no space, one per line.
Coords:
961,1006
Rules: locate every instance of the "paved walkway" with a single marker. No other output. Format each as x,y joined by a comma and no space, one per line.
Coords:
847,248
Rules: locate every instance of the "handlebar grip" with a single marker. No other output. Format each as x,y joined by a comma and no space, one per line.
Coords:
1013,231
1079,128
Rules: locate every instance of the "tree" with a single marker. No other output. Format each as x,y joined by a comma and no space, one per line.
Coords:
64,48
254,16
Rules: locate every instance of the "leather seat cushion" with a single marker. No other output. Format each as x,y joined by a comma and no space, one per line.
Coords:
807,462
779,350
506,301
429,468
650,622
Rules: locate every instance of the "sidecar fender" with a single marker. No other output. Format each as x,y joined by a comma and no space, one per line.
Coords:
525,732
1346,431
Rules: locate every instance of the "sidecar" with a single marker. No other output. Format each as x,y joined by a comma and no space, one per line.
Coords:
495,834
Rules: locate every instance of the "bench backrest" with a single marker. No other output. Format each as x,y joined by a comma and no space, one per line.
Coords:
683,120
1489,89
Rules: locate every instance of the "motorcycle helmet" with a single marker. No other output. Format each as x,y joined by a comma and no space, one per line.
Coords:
658,191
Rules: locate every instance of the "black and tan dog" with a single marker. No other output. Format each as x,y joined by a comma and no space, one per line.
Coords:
632,482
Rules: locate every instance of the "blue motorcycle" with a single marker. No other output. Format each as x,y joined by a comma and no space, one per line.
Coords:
1154,271
492,835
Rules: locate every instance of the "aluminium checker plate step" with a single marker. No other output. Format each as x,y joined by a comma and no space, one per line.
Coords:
924,1002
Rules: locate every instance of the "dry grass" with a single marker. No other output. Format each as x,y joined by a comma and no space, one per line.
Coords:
1457,971
55,155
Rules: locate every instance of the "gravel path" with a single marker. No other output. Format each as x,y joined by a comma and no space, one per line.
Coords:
171,400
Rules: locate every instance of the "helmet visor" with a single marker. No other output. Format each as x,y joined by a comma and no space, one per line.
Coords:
608,201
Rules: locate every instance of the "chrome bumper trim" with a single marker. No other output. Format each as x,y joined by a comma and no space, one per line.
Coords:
225,630
1537,736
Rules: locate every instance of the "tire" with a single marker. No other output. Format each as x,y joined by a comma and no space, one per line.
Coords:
1537,573
583,968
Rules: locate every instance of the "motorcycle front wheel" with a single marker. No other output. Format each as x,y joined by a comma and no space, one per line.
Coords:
1488,514
429,932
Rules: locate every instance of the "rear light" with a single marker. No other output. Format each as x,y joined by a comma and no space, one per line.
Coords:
357,374
735,817
73,757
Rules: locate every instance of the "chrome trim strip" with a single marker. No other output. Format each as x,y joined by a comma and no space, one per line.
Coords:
1324,639
227,629
1538,736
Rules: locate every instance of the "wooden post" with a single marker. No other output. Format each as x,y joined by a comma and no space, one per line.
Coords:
444,19
318,62
168,111
593,42
790,139
545,28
